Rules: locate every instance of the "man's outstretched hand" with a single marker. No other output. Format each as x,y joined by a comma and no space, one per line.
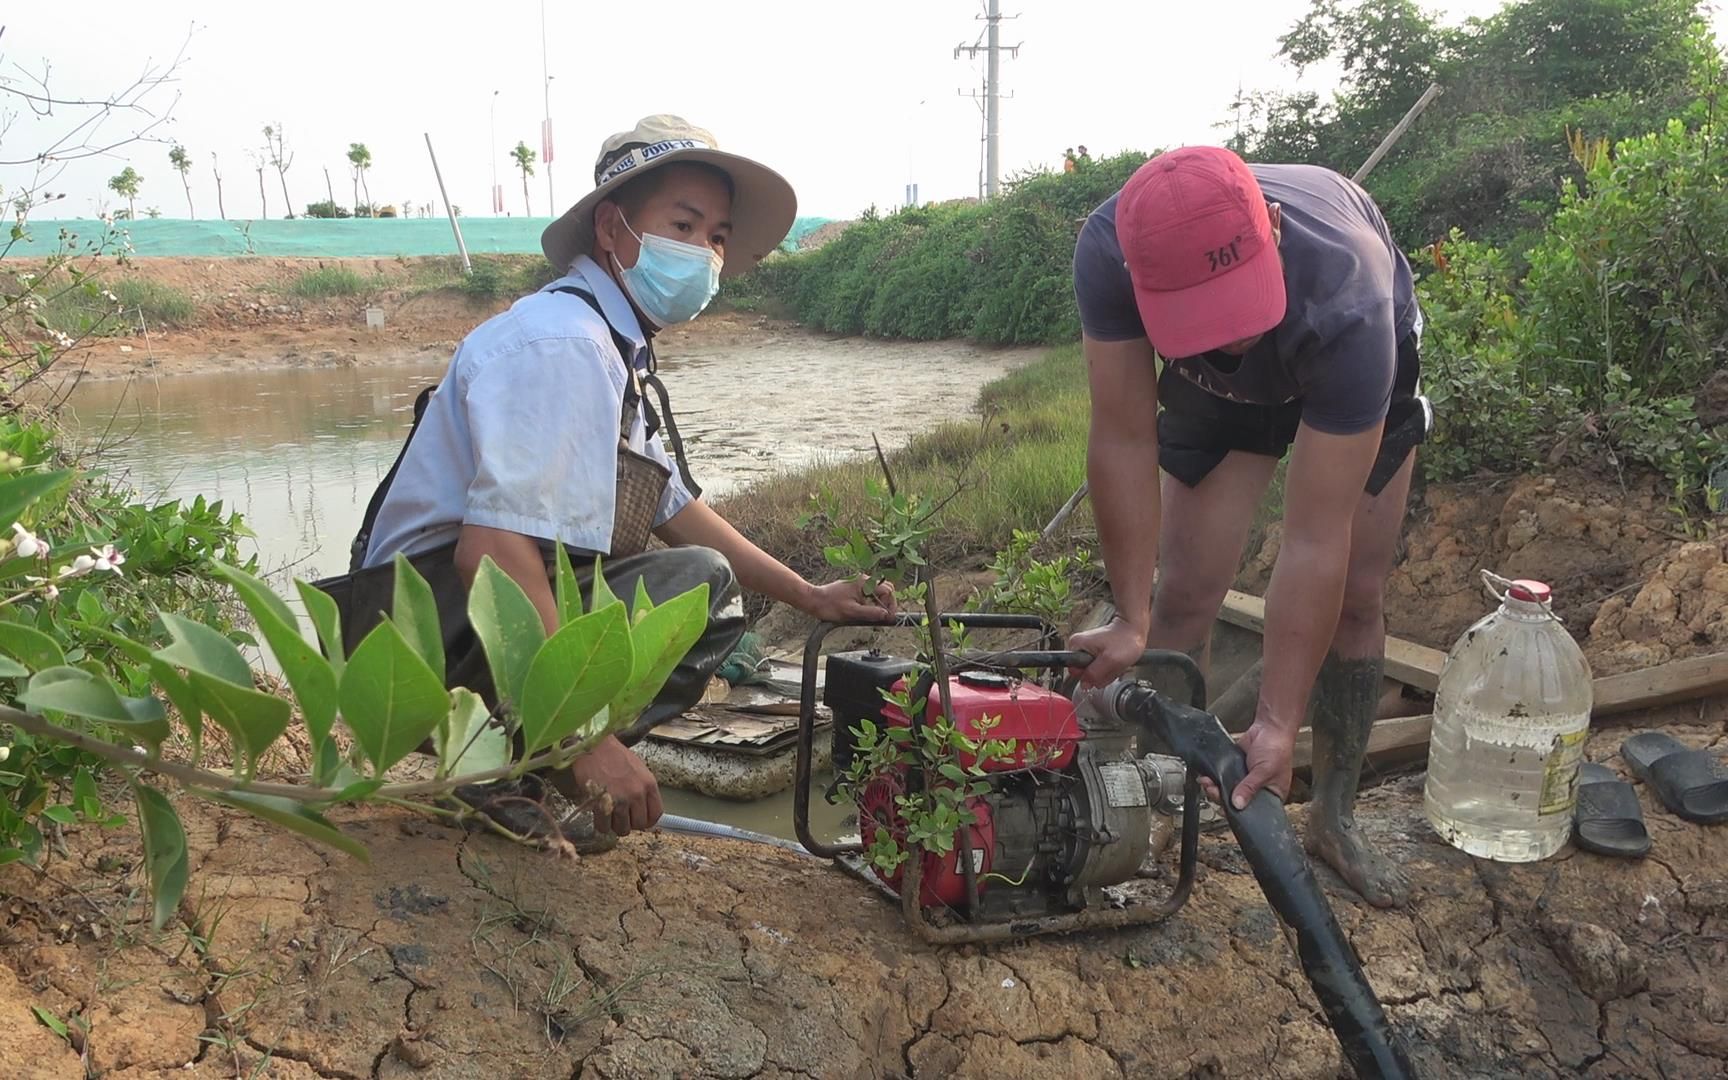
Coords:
851,602
1114,647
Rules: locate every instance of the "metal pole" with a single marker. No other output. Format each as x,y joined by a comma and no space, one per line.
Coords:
493,152
992,92
546,135
467,267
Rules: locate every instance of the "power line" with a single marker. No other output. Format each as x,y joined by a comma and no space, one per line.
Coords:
992,91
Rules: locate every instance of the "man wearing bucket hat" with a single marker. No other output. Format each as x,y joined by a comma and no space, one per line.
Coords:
1285,318
540,433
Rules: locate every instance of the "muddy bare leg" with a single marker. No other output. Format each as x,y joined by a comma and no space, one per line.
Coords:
1346,698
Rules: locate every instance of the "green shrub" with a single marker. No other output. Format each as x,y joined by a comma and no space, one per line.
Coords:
1475,366
499,278
996,272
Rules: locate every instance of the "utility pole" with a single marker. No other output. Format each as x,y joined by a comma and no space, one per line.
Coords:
992,48
492,152
546,125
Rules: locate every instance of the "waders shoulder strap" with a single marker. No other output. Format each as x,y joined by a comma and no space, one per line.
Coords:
363,539
651,419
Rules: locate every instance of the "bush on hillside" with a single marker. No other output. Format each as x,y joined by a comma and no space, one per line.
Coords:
995,272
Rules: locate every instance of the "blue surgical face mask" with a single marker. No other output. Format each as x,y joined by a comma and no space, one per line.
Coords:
672,281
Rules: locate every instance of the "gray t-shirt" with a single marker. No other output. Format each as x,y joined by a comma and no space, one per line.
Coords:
1350,301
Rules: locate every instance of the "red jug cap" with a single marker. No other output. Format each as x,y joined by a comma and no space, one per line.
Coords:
1533,592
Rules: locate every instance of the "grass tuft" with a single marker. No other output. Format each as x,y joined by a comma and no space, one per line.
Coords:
327,281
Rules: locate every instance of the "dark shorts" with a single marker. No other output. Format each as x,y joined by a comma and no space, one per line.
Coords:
1197,429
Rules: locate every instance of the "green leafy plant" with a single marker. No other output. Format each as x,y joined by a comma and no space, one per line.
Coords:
1025,583
884,545
363,713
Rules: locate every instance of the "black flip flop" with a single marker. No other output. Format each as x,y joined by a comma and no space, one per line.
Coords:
1608,819
1692,783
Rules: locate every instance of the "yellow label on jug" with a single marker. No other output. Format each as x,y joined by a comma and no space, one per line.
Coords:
1560,775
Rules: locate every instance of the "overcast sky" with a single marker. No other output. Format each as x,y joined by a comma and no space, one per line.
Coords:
849,100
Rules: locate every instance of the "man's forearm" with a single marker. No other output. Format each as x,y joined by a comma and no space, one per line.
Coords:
1302,607
759,572
1123,475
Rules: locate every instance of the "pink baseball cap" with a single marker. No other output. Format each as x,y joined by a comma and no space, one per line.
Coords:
1198,243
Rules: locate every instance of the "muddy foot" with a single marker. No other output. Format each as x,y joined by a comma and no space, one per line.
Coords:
1377,879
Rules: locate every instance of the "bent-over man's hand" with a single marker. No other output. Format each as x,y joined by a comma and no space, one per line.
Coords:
1269,747
635,793
1114,647
852,601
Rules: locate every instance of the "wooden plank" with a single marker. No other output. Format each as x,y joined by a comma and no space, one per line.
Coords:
1409,663
1399,733
1665,684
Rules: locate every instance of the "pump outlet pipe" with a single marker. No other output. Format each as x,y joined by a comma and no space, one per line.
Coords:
1263,831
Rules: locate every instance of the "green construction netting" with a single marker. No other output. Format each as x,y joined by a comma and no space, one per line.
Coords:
321,237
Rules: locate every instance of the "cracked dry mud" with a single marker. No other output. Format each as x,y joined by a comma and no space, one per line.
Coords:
680,956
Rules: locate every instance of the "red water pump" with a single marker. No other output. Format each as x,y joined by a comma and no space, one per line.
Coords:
1071,810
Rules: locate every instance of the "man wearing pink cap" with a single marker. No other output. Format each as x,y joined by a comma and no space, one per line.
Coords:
1286,321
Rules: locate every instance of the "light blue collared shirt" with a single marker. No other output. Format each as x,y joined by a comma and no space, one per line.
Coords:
522,431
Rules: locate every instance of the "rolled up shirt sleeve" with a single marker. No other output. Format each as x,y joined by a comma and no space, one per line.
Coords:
543,418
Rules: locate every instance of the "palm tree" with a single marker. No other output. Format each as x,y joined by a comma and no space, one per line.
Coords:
524,158
361,159
182,162
127,184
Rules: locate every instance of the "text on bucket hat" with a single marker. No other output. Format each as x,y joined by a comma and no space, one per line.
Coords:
1198,243
763,203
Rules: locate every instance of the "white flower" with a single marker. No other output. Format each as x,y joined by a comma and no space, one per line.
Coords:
29,545
106,295
108,558
5,752
30,303
26,277
83,564
62,340
52,592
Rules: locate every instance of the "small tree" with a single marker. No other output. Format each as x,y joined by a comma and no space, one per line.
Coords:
182,162
276,147
524,159
263,200
216,167
361,159
126,184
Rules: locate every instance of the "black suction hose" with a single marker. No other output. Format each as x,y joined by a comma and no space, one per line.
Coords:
1263,831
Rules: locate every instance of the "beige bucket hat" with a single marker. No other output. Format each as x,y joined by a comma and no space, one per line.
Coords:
763,203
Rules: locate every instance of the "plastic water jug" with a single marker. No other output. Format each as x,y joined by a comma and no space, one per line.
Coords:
1511,714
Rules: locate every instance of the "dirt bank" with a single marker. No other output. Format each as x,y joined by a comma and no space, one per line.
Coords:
679,956
1634,587
245,313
